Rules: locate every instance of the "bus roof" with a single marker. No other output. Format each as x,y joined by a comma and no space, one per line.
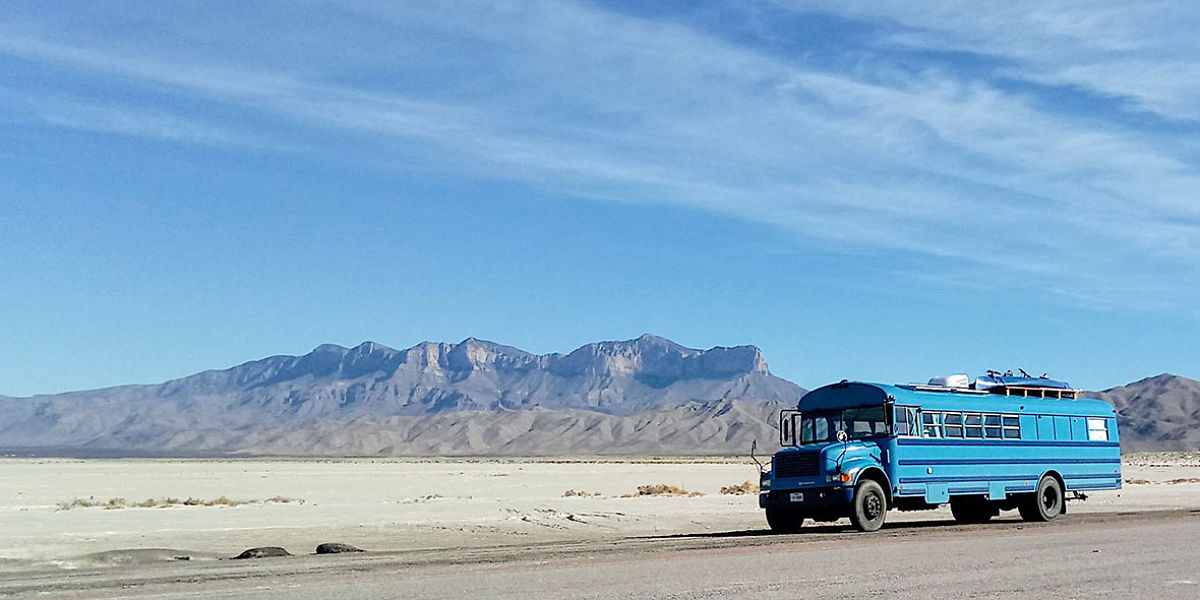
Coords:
849,394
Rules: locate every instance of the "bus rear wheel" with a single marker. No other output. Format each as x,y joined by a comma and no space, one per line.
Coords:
870,506
1044,504
784,520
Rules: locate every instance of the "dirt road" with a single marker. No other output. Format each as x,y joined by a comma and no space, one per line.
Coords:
1106,555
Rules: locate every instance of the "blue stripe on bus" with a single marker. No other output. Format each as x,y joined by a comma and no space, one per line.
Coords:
1009,461
985,442
997,478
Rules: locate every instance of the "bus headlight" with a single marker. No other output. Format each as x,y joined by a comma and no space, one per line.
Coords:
840,477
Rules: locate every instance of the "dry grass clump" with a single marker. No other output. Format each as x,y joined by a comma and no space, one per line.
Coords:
1171,482
117,503
661,489
420,499
581,494
746,487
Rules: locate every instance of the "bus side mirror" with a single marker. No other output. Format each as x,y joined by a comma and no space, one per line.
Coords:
842,436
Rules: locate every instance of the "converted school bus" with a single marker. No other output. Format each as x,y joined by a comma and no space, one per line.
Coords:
859,449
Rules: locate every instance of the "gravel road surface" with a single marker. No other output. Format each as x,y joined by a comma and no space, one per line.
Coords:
1099,555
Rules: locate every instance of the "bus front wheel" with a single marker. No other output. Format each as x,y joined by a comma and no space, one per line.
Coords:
870,506
784,520
1044,504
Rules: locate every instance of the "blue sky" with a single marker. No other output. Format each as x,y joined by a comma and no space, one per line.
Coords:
872,190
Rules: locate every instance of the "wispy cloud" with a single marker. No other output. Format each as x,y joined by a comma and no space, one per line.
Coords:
889,158
1138,51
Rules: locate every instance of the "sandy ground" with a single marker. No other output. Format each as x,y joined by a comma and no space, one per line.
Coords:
394,505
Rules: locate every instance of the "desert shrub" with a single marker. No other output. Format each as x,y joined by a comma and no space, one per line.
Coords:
422,499
746,487
78,503
661,489
117,503
573,493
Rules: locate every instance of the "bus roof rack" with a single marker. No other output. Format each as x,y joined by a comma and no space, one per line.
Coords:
1025,385
925,387
1005,384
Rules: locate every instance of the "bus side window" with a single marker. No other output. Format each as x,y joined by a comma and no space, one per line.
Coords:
1097,429
932,423
954,425
974,425
991,426
905,423
1012,427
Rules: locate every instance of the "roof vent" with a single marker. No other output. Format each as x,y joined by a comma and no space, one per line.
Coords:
957,380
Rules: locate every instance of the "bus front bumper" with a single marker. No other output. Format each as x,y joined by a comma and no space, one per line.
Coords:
807,497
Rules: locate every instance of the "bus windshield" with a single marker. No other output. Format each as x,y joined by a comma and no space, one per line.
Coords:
822,425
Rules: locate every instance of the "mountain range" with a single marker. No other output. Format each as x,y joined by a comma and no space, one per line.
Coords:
645,396
1157,413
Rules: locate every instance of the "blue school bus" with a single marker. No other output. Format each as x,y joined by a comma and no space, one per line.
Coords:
856,450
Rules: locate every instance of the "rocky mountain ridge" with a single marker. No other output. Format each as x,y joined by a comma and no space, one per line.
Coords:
1157,413
643,396
374,388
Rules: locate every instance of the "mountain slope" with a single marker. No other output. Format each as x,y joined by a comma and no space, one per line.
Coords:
1157,413
472,397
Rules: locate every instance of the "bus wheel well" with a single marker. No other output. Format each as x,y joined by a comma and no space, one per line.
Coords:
878,476
1055,474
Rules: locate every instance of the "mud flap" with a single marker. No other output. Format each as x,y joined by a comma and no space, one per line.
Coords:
997,490
936,493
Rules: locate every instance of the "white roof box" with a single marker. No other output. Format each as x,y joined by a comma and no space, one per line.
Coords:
957,380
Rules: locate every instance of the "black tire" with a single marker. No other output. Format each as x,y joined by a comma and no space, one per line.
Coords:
970,511
784,520
870,506
1044,504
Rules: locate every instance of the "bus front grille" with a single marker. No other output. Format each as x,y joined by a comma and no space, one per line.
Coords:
796,464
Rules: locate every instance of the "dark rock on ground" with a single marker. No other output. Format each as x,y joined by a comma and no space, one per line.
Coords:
336,548
263,552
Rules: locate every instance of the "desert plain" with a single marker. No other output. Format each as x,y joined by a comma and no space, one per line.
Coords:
60,512
72,516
